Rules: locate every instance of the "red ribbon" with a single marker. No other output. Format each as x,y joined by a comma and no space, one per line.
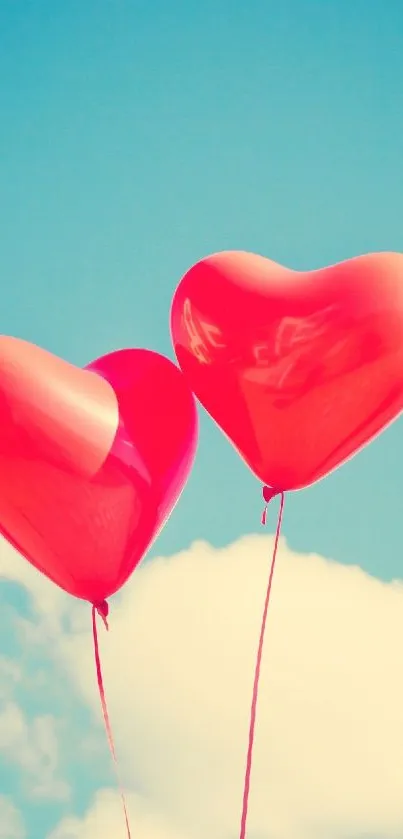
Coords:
103,610
268,494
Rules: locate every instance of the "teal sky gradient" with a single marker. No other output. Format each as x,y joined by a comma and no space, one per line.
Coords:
137,137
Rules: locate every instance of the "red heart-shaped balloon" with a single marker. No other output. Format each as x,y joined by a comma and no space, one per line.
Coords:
91,461
299,369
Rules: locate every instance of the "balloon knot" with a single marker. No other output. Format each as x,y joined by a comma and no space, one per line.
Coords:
103,611
269,493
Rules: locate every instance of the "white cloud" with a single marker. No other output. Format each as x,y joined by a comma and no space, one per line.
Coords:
178,667
11,823
10,676
105,820
32,746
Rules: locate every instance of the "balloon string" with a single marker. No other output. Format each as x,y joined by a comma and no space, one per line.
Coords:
102,610
255,693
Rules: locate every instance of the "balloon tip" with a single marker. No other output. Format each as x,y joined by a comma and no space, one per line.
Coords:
103,611
269,493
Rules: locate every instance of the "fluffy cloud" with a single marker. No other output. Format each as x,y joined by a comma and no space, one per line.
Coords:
11,823
178,667
10,676
32,747
104,819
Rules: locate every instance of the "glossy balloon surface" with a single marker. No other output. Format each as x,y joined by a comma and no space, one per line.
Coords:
299,369
91,461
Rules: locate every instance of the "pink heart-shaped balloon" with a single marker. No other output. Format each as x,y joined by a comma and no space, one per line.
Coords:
299,368
92,461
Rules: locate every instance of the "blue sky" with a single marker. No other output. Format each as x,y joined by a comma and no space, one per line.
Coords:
137,137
